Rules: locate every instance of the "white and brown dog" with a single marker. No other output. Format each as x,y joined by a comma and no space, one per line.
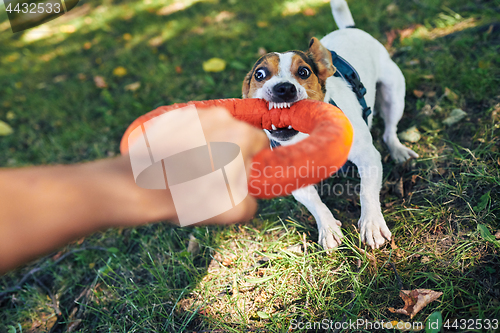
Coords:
285,78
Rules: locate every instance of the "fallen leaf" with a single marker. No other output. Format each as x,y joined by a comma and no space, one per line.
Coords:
430,94
497,234
393,243
418,93
309,12
156,41
223,16
175,7
87,45
413,62
120,71
5,129
193,245
60,78
391,8
262,24
127,36
428,76
391,36
91,265
370,257
427,110
398,188
412,134
450,94
133,86
82,77
262,314
10,115
73,325
416,300
100,82
178,69
228,261
455,116
214,65
261,51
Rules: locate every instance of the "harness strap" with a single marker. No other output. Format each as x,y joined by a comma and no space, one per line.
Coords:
349,74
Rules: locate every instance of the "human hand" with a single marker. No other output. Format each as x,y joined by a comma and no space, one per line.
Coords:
177,133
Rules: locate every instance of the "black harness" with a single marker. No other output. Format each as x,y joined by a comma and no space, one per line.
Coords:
349,74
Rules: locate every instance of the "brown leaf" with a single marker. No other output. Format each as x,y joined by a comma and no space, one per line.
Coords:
309,12
261,51
133,86
450,94
398,188
228,261
393,243
193,245
497,235
391,36
415,300
370,257
100,82
418,93
178,69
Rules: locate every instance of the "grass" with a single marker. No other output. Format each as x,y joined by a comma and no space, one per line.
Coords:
269,272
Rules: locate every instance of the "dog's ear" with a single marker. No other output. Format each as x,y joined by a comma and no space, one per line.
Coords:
246,85
323,59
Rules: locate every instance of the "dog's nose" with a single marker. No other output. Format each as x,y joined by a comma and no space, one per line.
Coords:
286,91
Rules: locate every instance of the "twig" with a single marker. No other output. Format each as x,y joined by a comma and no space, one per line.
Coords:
38,269
54,300
400,283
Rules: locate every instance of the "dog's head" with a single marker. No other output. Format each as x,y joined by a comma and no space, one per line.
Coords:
285,78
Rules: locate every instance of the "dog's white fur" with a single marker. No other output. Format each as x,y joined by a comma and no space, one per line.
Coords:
376,70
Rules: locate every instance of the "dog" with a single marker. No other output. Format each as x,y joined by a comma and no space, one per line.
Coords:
285,78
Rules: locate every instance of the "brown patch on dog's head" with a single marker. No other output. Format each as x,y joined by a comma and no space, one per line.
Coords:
306,72
323,59
268,64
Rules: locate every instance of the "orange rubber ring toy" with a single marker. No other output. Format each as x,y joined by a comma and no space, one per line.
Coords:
274,172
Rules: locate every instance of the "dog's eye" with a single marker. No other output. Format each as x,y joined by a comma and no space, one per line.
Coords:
304,72
260,74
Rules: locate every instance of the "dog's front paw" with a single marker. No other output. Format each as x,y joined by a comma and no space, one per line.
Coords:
330,235
401,153
374,231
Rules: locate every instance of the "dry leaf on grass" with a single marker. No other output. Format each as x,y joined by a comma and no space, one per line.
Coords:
120,71
416,300
100,82
214,65
228,261
133,86
418,93
5,129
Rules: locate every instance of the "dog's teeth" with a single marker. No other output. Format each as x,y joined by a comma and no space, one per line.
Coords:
289,126
273,127
282,105
271,105
288,105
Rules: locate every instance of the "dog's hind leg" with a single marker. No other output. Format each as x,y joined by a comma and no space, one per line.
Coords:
330,235
391,90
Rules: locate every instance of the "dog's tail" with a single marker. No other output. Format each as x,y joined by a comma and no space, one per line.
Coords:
342,14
